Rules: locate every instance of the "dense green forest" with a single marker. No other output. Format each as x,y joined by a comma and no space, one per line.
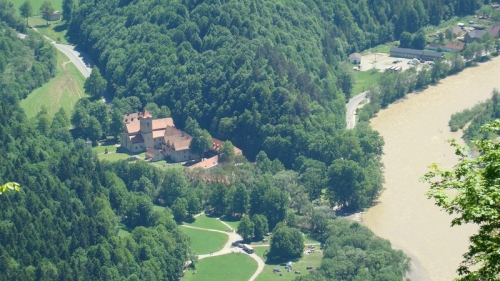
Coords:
269,76
61,226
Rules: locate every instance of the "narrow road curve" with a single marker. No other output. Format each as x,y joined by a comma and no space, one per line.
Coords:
351,107
229,249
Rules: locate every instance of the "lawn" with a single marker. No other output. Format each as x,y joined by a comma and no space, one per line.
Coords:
233,223
234,267
56,4
313,260
102,148
208,222
55,30
364,80
113,156
205,242
61,91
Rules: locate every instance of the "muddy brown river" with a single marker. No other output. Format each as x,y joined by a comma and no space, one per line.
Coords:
415,130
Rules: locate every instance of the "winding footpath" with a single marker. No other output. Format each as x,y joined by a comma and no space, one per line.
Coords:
229,249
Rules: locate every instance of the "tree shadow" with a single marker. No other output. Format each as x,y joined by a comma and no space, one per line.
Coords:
60,28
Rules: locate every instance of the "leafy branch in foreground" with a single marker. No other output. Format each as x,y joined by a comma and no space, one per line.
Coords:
475,198
10,186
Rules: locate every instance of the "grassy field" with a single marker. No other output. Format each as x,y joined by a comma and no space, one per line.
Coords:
313,260
56,4
205,242
364,80
233,223
56,30
207,222
113,156
232,267
61,91
102,148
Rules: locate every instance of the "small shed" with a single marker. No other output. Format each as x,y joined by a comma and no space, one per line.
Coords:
355,58
153,155
56,15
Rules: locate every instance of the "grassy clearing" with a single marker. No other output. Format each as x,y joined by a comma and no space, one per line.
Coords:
383,48
102,148
158,208
113,156
364,80
55,30
123,233
57,4
313,260
61,91
233,223
205,242
207,222
232,267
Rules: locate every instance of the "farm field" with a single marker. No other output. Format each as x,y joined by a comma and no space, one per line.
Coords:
205,242
267,274
206,222
64,90
234,267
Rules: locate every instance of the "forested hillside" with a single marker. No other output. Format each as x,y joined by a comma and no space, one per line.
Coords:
61,226
267,75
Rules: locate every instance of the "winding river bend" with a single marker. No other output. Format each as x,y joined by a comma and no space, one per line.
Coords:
415,130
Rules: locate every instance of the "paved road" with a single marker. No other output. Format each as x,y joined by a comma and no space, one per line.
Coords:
351,107
76,57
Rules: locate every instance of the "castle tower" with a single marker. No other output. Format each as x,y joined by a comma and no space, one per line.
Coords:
146,120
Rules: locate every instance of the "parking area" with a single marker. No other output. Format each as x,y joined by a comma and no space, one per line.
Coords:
382,61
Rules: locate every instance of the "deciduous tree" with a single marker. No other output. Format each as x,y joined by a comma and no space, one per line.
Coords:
470,192
26,10
95,84
246,228
286,244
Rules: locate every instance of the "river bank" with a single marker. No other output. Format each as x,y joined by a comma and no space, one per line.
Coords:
415,131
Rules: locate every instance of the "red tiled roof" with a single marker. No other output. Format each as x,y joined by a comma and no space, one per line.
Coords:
151,152
163,123
207,163
131,117
133,128
494,30
455,45
145,114
355,55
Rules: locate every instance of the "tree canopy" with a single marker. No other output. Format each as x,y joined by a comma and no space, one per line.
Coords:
470,193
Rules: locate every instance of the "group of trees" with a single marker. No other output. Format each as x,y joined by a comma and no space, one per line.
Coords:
478,116
352,252
64,223
25,64
265,75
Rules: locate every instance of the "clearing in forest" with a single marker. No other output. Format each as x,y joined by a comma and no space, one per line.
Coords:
64,90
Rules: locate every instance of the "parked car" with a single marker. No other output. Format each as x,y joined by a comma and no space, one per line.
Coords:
309,267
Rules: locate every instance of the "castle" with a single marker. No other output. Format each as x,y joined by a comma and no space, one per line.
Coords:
158,137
